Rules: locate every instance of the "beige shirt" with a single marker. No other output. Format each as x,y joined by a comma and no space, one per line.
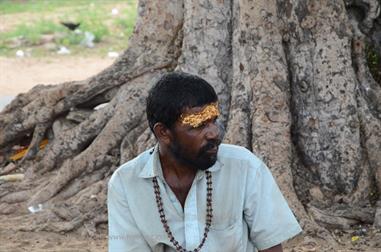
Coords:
249,210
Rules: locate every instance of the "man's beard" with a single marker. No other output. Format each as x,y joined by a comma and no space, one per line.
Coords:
203,159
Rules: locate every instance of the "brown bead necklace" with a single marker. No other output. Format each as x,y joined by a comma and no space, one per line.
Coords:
209,214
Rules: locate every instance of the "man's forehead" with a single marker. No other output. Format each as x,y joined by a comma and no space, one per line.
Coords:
195,116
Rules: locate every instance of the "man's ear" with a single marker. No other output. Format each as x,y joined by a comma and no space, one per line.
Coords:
162,133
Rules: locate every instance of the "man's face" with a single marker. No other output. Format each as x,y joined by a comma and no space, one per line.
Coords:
195,141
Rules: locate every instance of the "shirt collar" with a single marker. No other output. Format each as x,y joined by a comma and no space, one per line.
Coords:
152,168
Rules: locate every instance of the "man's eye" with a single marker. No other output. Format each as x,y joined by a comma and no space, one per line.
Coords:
201,125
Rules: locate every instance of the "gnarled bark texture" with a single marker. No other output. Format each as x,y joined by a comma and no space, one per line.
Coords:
293,84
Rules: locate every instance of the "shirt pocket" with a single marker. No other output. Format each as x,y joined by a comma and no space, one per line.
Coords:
225,237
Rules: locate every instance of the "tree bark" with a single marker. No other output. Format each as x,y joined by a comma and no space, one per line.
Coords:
293,84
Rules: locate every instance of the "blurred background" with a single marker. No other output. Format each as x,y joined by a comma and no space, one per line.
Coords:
53,41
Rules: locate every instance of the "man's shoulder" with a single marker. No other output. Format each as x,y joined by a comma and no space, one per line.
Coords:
132,168
236,152
233,157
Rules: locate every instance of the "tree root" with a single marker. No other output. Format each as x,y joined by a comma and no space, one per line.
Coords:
146,140
15,197
34,146
72,142
8,209
23,120
128,148
342,217
111,136
21,100
82,182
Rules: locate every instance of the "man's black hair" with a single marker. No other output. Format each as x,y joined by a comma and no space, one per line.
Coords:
173,93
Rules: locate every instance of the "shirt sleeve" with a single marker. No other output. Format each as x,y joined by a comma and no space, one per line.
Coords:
269,218
124,236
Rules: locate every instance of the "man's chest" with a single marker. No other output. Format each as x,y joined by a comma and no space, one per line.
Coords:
186,212
180,188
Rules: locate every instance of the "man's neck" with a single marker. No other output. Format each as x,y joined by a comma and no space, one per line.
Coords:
177,175
173,167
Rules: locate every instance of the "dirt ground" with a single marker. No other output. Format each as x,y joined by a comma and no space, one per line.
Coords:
21,74
18,75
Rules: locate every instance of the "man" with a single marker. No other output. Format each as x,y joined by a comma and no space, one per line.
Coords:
190,192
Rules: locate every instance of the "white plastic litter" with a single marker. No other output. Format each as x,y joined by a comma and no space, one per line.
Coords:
20,53
35,209
88,41
63,50
114,11
100,106
112,54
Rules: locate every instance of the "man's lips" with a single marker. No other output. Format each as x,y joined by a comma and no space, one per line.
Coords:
213,150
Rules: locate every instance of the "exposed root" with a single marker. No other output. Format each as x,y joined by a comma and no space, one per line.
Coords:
71,142
8,169
65,211
34,146
342,217
15,197
100,99
128,147
58,226
41,110
110,137
7,209
90,227
89,195
21,100
80,183
145,140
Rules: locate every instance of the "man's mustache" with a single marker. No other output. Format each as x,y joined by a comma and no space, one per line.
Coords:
210,145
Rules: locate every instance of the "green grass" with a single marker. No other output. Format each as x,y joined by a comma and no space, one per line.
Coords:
124,22
17,6
110,31
31,33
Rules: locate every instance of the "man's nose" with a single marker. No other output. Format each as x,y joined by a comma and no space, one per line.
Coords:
212,130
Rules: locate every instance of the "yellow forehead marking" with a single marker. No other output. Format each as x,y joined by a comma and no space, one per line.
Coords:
196,119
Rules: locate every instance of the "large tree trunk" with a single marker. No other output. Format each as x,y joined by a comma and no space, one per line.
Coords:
294,87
